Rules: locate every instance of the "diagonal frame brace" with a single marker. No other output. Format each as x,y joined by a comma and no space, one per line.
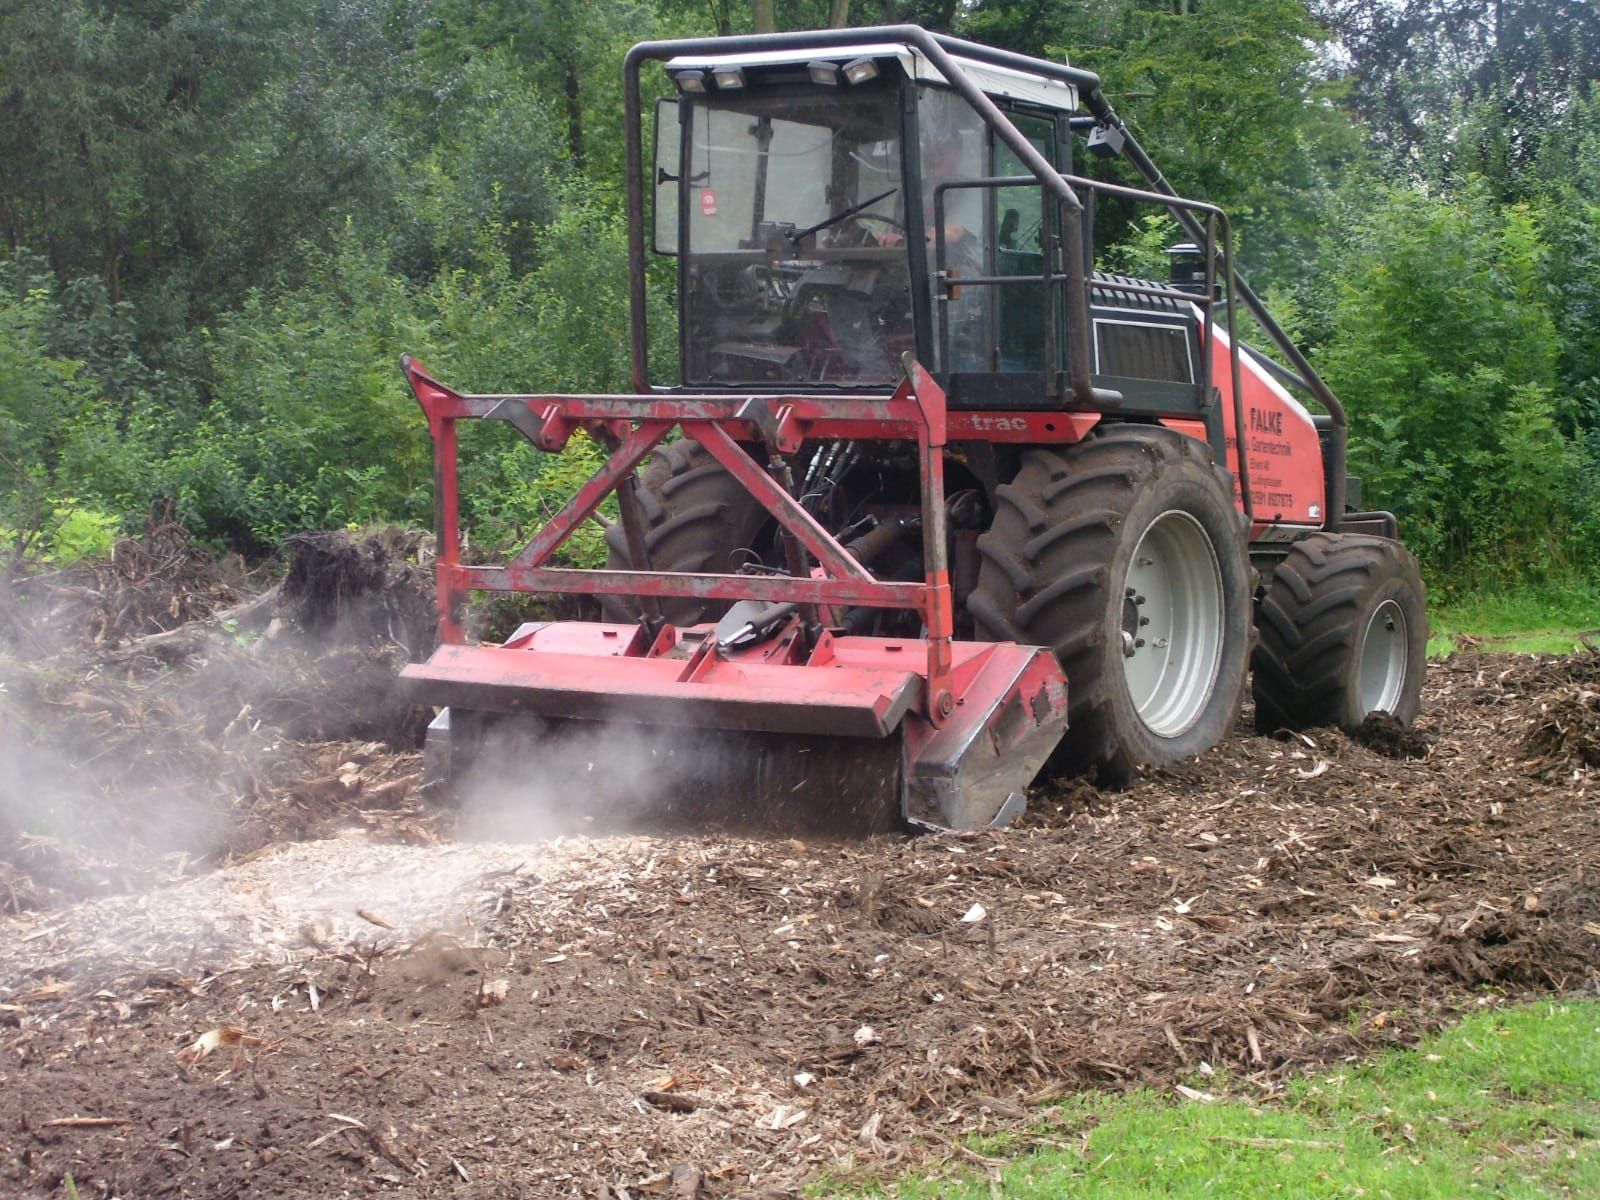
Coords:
630,452
835,560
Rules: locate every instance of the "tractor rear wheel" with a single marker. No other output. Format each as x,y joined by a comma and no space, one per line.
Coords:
1343,633
1125,555
698,517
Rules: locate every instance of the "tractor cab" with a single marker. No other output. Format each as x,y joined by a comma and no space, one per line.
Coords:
824,211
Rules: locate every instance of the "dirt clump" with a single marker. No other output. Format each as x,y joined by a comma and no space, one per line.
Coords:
1565,735
360,591
1387,735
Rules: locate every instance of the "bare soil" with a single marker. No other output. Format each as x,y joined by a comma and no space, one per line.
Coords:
382,1008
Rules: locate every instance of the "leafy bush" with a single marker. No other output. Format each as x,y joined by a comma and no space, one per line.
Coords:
310,424
51,412
64,535
1445,354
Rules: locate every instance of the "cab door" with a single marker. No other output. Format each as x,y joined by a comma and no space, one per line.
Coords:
1023,231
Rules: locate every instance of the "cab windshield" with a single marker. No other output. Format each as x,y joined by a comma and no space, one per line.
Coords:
795,265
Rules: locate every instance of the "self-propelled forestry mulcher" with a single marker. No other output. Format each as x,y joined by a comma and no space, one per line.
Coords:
934,503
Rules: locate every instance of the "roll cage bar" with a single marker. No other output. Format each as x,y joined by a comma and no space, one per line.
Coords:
1199,220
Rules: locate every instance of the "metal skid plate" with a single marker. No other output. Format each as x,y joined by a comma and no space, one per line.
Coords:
973,772
513,773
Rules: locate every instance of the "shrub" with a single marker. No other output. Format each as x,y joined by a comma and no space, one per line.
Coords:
1445,353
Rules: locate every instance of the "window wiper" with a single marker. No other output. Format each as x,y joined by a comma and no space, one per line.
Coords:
800,235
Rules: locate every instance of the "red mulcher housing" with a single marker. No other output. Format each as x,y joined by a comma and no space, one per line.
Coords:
972,722
1043,546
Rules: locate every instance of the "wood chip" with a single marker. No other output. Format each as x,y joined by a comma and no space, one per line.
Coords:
214,1039
677,1102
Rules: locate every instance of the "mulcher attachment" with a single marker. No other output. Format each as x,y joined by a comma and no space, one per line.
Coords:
769,715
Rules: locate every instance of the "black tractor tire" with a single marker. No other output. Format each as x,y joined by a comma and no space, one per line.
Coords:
698,517
1342,632
1055,572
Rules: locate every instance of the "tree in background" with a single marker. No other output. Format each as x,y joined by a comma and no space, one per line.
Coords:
1475,86
1229,96
1446,356
222,221
1568,207
178,151
46,406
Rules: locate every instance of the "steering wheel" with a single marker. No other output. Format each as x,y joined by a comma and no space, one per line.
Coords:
872,216
854,233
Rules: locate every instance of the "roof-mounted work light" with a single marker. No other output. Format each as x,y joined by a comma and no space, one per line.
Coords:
1106,141
824,73
690,81
861,70
728,77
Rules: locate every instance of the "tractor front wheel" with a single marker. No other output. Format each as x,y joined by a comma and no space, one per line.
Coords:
1343,633
1126,556
698,517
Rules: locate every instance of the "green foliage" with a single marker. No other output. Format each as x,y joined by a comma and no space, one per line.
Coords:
1465,84
308,427
1225,94
177,151
1222,85
50,413
308,422
521,490
1446,356
65,534
1541,619
495,157
1143,253
1568,212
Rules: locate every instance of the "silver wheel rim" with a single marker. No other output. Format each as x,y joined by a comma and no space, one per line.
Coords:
1172,623
1383,659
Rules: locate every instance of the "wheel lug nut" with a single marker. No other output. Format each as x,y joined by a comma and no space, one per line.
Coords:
1143,621
1137,642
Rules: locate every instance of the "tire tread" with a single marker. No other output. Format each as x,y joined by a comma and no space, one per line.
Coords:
1046,562
1307,626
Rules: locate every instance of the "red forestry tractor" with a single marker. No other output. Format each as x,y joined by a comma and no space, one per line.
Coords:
934,505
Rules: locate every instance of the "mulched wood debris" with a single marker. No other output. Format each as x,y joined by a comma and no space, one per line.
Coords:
702,1015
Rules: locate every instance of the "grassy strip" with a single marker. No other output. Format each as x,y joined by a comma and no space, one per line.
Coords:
1505,1104
1551,620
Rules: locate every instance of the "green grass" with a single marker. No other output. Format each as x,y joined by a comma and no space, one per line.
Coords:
1505,1104
1532,621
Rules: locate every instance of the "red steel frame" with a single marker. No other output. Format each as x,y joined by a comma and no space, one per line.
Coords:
632,426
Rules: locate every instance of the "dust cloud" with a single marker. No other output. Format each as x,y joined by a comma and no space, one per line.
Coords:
91,810
152,724
530,781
